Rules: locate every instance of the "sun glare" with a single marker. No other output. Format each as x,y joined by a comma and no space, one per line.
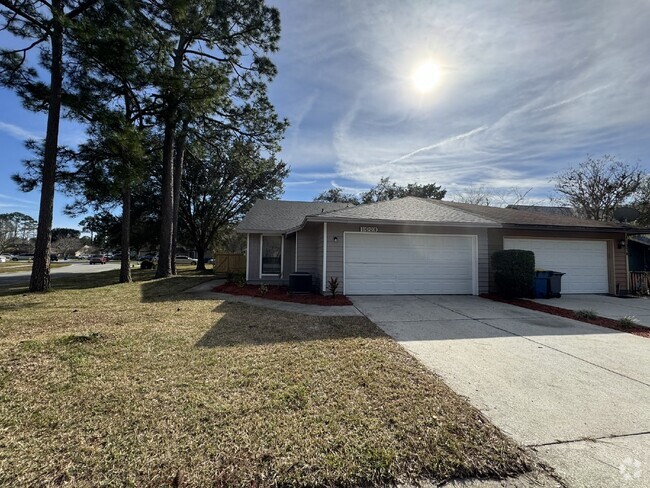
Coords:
425,77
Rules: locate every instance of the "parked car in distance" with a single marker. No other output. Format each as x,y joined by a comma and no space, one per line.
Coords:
4,259
97,259
185,260
54,257
23,257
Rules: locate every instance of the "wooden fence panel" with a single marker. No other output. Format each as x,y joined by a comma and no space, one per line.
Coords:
640,281
229,263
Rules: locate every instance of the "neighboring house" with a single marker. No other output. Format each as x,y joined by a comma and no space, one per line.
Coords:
422,246
638,249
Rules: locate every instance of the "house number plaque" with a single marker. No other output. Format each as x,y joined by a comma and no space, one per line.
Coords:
369,229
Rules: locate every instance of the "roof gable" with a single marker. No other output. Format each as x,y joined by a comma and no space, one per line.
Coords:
281,216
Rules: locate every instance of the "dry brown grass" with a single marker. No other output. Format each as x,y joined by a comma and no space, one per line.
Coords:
14,266
142,385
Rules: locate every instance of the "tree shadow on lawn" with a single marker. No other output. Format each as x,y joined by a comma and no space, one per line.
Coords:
242,324
176,287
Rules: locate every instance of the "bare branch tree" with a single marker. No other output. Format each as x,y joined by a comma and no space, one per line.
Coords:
596,187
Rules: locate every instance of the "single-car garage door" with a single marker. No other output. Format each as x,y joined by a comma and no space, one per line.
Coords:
584,262
409,264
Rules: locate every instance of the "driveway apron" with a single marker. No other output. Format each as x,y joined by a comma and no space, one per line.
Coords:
578,394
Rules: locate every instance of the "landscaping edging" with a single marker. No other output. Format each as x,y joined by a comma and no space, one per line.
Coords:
570,314
281,293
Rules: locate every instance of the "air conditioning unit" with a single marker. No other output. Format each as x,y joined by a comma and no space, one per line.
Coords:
300,283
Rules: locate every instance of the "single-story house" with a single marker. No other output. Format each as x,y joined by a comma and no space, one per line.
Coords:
423,246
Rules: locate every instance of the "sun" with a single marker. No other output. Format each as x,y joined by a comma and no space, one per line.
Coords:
425,77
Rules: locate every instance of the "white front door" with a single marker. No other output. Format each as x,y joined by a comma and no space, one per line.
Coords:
410,264
583,261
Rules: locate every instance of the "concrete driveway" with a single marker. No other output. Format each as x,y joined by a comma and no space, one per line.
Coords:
605,306
577,394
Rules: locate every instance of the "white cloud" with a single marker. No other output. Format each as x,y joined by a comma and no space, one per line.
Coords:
13,199
17,132
299,183
524,91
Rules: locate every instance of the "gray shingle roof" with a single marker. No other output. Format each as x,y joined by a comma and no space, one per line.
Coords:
280,215
283,216
523,217
567,211
408,209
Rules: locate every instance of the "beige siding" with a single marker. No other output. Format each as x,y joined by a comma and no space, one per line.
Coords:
335,248
617,264
620,265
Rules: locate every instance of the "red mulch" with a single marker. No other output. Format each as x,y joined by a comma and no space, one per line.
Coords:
570,314
281,293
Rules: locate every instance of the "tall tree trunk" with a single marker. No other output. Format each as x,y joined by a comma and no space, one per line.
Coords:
200,261
125,265
125,261
167,213
40,278
179,157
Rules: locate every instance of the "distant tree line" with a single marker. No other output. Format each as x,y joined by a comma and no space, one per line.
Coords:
382,191
594,188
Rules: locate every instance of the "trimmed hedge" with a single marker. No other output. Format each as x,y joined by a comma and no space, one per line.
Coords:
514,272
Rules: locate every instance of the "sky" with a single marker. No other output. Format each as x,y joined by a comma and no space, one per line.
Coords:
523,91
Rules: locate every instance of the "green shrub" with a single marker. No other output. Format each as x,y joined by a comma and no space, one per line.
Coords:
333,285
586,314
514,271
264,289
240,280
628,322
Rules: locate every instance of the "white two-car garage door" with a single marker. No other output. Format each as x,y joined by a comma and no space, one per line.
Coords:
409,264
584,262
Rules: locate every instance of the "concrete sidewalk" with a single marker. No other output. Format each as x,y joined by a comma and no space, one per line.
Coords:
204,291
605,306
577,394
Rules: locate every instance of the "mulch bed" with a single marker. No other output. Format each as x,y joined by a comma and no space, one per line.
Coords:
281,293
570,314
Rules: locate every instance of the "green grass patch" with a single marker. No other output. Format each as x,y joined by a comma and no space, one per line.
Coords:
15,266
586,314
140,385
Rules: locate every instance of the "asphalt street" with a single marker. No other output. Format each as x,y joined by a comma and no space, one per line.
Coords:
21,277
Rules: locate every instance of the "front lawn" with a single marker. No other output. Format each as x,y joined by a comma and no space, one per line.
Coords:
13,266
142,385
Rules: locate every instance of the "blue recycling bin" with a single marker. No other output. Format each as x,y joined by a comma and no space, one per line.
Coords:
548,284
540,289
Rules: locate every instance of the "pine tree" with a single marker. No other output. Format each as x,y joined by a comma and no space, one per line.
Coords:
44,26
